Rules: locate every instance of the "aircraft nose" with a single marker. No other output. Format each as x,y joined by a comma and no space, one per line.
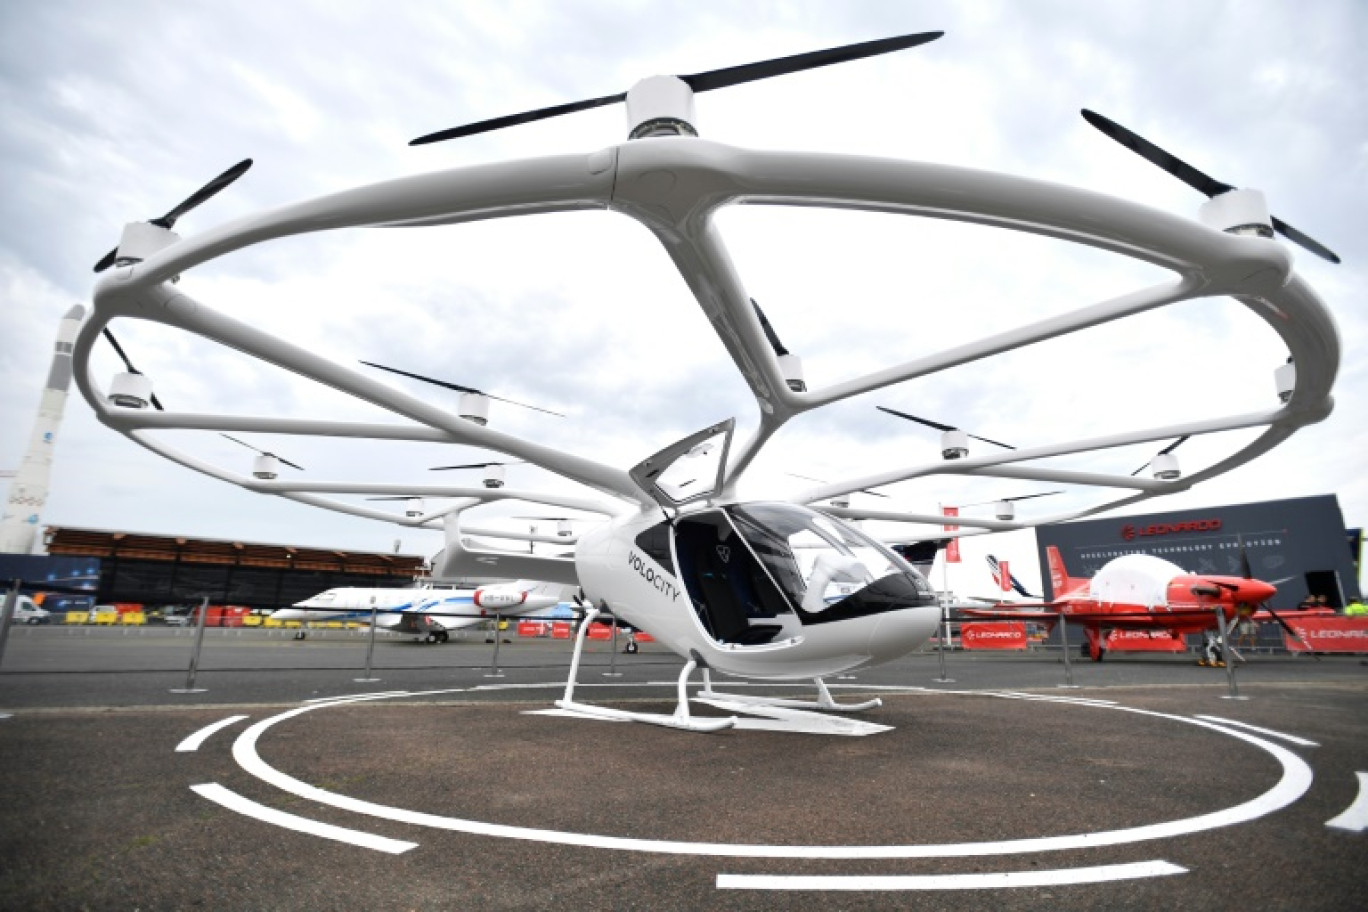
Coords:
1256,591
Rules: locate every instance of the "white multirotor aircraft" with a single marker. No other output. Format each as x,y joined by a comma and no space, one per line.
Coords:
775,590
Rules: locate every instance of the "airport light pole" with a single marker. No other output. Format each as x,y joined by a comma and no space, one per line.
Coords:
370,649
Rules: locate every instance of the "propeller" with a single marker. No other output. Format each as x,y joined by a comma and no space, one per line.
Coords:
279,459
700,82
474,465
459,388
1194,178
982,503
1247,572
821,481
1168,449
156,403
202,195
769,331
940,427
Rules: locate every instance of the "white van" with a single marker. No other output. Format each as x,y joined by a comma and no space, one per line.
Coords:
26,612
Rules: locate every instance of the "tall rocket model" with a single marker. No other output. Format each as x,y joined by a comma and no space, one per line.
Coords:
28,492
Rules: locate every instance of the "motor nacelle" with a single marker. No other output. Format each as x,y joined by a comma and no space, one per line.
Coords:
498,599
129,390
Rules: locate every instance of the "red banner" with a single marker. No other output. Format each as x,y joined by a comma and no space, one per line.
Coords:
1004,576
533,628
951,511
1326,634
600,631
1144,641
561,630
1007,635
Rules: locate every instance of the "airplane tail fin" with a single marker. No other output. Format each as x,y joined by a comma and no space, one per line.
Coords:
1060,581
1015,583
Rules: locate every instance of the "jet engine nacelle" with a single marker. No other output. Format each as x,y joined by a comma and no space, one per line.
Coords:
496,599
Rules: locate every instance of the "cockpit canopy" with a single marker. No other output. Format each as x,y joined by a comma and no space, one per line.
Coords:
752,569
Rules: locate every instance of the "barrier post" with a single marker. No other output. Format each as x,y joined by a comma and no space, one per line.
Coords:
494,668
612,671
370,649
1228,654
190,687
941,636
1064,642
7,615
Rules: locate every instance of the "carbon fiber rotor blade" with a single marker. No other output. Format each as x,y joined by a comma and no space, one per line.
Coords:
1147,150
811,60
461,389
204,194
473,465
699,82
1297,237
1168,449
156,403
942,427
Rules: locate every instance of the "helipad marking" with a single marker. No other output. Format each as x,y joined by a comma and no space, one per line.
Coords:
1263,731
193,742
235,802
1355,817
1004,880
1295,781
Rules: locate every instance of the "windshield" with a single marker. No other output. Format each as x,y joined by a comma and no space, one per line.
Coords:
816,560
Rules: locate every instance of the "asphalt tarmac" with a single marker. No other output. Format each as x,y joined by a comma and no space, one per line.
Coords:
1144,786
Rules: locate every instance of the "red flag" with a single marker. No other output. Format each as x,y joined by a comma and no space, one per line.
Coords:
952,551
951,511
1004,577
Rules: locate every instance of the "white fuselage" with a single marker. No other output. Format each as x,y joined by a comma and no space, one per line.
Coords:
614,568
450,608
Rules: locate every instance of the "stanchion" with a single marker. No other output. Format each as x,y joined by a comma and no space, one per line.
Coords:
612,671
190,687
7,614
941,637
370,650
1227,656
1064,642
494,669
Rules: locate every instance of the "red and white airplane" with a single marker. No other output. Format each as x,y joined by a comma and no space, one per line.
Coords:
1135,592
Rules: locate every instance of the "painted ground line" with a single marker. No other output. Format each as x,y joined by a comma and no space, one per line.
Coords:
245,806
193,742
1293,739
1296,779
1004,880
1355,817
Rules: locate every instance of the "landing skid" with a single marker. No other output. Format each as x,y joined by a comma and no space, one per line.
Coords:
681,718
824,699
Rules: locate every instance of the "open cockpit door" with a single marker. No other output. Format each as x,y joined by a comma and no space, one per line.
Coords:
688,470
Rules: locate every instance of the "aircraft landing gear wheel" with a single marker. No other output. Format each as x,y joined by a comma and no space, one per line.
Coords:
300,634
430,638
443,637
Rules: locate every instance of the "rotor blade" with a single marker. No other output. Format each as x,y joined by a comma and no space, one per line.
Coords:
942,427
1296,237
780,66
398,497
1029,496
473,465
242,443
1147,150
283,461
512,120
107,260
461,389
699,82
769,331
204,193
119,348
451,386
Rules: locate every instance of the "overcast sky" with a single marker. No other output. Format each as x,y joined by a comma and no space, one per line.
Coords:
112,113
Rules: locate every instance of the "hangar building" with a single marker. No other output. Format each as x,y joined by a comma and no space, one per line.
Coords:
1301,545
128,567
